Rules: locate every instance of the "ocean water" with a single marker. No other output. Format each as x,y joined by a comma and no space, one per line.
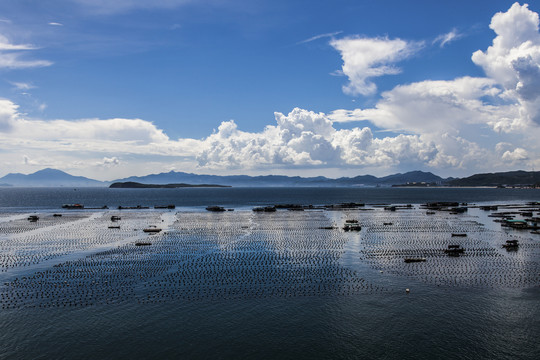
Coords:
199,198
244,285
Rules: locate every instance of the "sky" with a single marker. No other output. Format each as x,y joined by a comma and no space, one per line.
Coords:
110,89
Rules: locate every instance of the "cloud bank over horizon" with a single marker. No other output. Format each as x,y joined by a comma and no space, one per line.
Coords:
451,127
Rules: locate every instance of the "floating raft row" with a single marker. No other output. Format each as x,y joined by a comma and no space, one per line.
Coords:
245,255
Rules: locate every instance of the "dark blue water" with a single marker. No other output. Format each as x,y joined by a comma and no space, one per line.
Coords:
46,198
432,322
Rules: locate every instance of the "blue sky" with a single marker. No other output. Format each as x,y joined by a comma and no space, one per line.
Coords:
109,89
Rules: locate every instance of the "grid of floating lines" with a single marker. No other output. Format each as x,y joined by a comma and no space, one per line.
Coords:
390,237
227,255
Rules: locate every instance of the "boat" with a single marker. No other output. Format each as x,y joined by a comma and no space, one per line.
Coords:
459,235
215,208
33,218
265,209
170,206
142,243
519,225
152,230
352,225
413,260
114,227
454,250
511,245
72,206
489,207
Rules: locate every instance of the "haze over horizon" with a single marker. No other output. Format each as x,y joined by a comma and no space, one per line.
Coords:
108,90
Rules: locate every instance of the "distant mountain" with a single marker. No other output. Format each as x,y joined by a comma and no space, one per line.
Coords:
52,178
279,180
49,177
510,178
231,180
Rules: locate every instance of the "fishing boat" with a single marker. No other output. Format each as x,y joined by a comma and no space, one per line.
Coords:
142,243
215,208
511,245
73,206
454,250
352,225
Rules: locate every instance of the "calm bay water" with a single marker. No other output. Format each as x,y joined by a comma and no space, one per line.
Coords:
432,322
47,198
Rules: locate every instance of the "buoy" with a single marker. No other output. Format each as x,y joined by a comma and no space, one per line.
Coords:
407,291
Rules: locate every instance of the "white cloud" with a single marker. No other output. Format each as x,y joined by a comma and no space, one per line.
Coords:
55,24
507,100
513,60
305,138
447,38
439,121
320,36
6,45
22,85
518,155
366,58
434,107
8,114
10,55
297,140
108,162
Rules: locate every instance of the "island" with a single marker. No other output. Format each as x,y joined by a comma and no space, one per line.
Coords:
136,185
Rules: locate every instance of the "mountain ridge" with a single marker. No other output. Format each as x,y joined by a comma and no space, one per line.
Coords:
51,177
509,178
56,178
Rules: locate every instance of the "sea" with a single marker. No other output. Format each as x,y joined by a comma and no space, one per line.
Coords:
241,284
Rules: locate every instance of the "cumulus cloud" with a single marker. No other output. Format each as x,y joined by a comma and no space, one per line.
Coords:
11,55
367,58
112,161
109,136
433,116
518,155
507,100
8,115
434,106
513,60
300,138
306,138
